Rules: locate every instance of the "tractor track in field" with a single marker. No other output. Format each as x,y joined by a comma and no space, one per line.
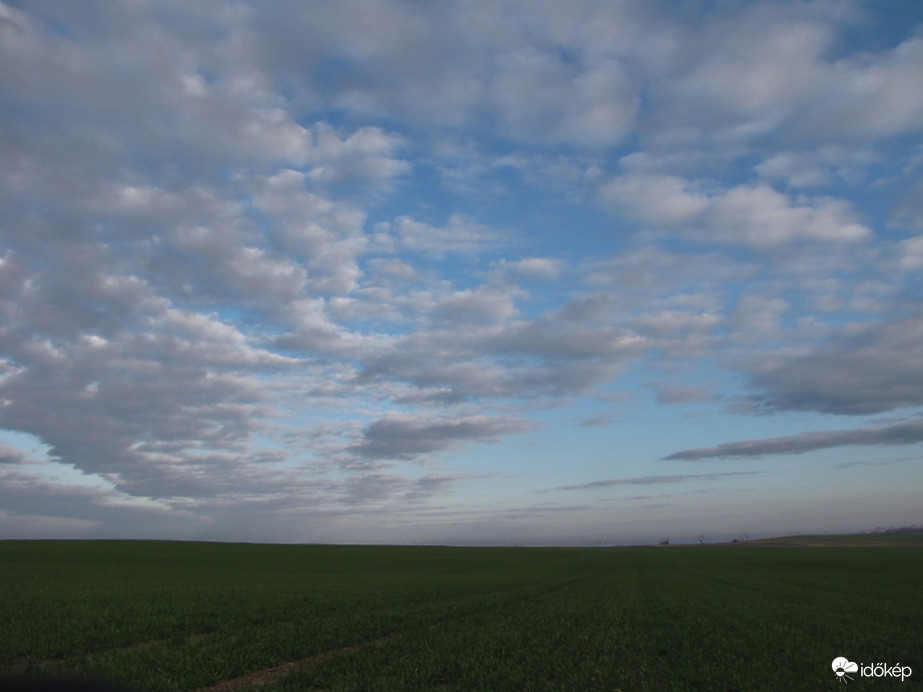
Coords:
259,678
23,665
266,676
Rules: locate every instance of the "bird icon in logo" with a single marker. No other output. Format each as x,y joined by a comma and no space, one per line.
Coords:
841,666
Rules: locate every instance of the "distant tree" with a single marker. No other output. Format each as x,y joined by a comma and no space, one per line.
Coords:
665,541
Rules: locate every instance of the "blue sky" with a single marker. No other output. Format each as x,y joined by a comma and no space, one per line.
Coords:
522,272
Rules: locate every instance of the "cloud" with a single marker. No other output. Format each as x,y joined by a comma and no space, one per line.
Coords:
877,368
460,235
777,68
872,95
888,462
475,351
759,316
763,61
101,395
654,480
540,95
659,199
911,252
554,340
762,217
795,170
906,433
406,437
365,158
399,489
9,455
909,212
754,215
541,268
480,305
674,394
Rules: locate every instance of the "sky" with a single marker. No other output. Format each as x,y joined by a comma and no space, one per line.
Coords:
522,272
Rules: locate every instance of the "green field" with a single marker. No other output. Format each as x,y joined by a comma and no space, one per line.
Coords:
196,616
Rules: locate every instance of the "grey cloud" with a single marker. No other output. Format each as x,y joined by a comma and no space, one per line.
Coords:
8,455
480,305
888,462
78,506
654,480
571,77
877,96
759,317
505,362
157,98
142,404
403,436
601,420
907,433
558,354
546,339
878,369
650,271
770,67
676,394
684,325
541,96
373,487
378,487
122,246
799,170
366,159
909,212
473,66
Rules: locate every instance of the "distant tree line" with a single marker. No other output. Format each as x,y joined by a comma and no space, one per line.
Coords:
916,528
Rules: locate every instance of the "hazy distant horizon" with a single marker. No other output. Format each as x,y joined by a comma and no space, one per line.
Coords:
390,272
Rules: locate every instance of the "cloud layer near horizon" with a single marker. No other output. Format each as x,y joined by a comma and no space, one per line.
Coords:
308,265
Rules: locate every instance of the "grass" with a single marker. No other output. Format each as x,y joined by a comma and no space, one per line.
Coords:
191,616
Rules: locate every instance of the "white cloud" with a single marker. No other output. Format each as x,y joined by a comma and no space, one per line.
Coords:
909,211
658,199
795,170
541,96
764,218
758,216
759,317
481,305
911,252
543,268
758,64
460,235
877,95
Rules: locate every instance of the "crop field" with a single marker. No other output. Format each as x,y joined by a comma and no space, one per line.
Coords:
208,616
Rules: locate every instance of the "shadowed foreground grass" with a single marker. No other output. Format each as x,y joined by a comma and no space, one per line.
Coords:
189,616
